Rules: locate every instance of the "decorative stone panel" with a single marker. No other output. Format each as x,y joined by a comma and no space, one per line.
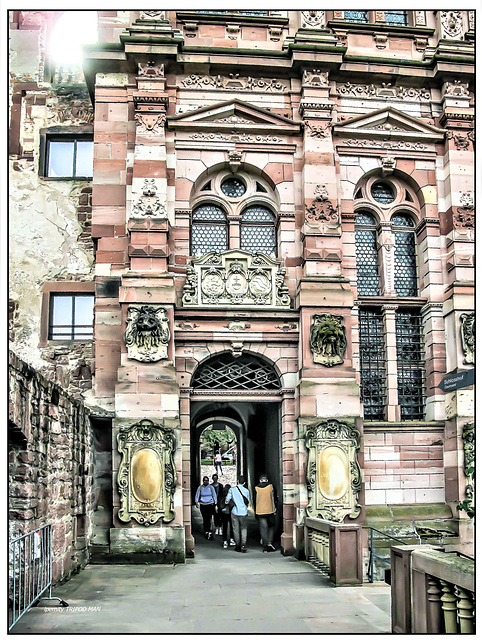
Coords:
236,278
147,334
313,19
451,22
147,476
149,204
327,339
334,476
467,329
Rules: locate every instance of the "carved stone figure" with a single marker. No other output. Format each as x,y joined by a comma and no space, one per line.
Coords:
467,329
150,122
327,339
315,77
189,291
147,476
147,334
333,472
151,70
468,437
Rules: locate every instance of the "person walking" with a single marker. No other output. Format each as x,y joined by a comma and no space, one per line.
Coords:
218,488
239,514
266,502
218,463
225,513
206,501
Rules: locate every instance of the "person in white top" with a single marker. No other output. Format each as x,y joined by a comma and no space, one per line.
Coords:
218,462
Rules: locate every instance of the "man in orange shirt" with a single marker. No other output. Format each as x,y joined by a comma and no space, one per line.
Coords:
266,501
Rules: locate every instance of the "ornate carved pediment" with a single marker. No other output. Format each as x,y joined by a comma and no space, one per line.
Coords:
147,476
235,278
391,126
333,472
327,339
147,334
233,115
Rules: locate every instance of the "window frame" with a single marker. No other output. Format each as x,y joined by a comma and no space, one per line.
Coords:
206,223
50,289
83,133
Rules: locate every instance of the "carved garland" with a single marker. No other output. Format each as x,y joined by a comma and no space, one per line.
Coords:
147,475
334,475
386,90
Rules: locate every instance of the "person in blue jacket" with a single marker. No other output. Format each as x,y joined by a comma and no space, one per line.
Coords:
239,514
206,501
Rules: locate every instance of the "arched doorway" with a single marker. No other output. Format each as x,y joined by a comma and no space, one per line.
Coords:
243,393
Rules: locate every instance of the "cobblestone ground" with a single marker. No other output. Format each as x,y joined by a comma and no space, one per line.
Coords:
228,475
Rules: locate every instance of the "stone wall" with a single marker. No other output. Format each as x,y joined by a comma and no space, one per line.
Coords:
50,466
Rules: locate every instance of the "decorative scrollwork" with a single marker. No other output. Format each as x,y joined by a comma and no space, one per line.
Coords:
317,131
149,204
333,474
451,22
150,122
461,141
147,475
321,208
313,19
327,339
196,81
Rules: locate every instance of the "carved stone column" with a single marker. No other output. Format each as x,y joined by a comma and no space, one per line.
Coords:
393,410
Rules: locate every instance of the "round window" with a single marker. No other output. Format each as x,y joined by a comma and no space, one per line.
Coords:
233,188
383,193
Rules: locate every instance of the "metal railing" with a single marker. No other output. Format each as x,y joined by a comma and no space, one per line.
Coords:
373,555
30,572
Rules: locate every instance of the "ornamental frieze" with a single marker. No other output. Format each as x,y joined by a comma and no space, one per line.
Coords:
384,91
321,209
147,475
147,334
235,136
149,204
386,144
234,83
327,339
333,473
467,330
235,278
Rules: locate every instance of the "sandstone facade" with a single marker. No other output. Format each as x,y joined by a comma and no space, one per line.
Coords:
337,144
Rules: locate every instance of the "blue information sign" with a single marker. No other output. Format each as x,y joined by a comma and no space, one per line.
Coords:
457,380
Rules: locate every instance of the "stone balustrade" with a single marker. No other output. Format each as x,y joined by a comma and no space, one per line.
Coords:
432,591
335,549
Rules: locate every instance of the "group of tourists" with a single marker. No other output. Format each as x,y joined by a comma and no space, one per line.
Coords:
228,506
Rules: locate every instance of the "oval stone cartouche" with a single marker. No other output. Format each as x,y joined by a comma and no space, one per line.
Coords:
146,476
333,473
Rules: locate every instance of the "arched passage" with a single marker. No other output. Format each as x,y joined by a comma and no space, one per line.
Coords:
244,393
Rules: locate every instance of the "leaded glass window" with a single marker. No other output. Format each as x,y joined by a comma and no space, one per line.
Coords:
368,283
405,257
410,365
209,230
372,364
396,17
71,316
356,16
383,193
257,230
233,188
242,373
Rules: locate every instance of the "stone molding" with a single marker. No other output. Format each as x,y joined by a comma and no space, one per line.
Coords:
147,333
333,473
467,331
327,339
147,475
237,278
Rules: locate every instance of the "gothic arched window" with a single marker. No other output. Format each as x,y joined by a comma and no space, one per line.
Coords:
209,230
368,283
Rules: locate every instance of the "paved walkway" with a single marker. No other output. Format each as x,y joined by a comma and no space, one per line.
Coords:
219,591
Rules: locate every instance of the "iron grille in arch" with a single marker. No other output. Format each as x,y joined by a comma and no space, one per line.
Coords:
244,374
